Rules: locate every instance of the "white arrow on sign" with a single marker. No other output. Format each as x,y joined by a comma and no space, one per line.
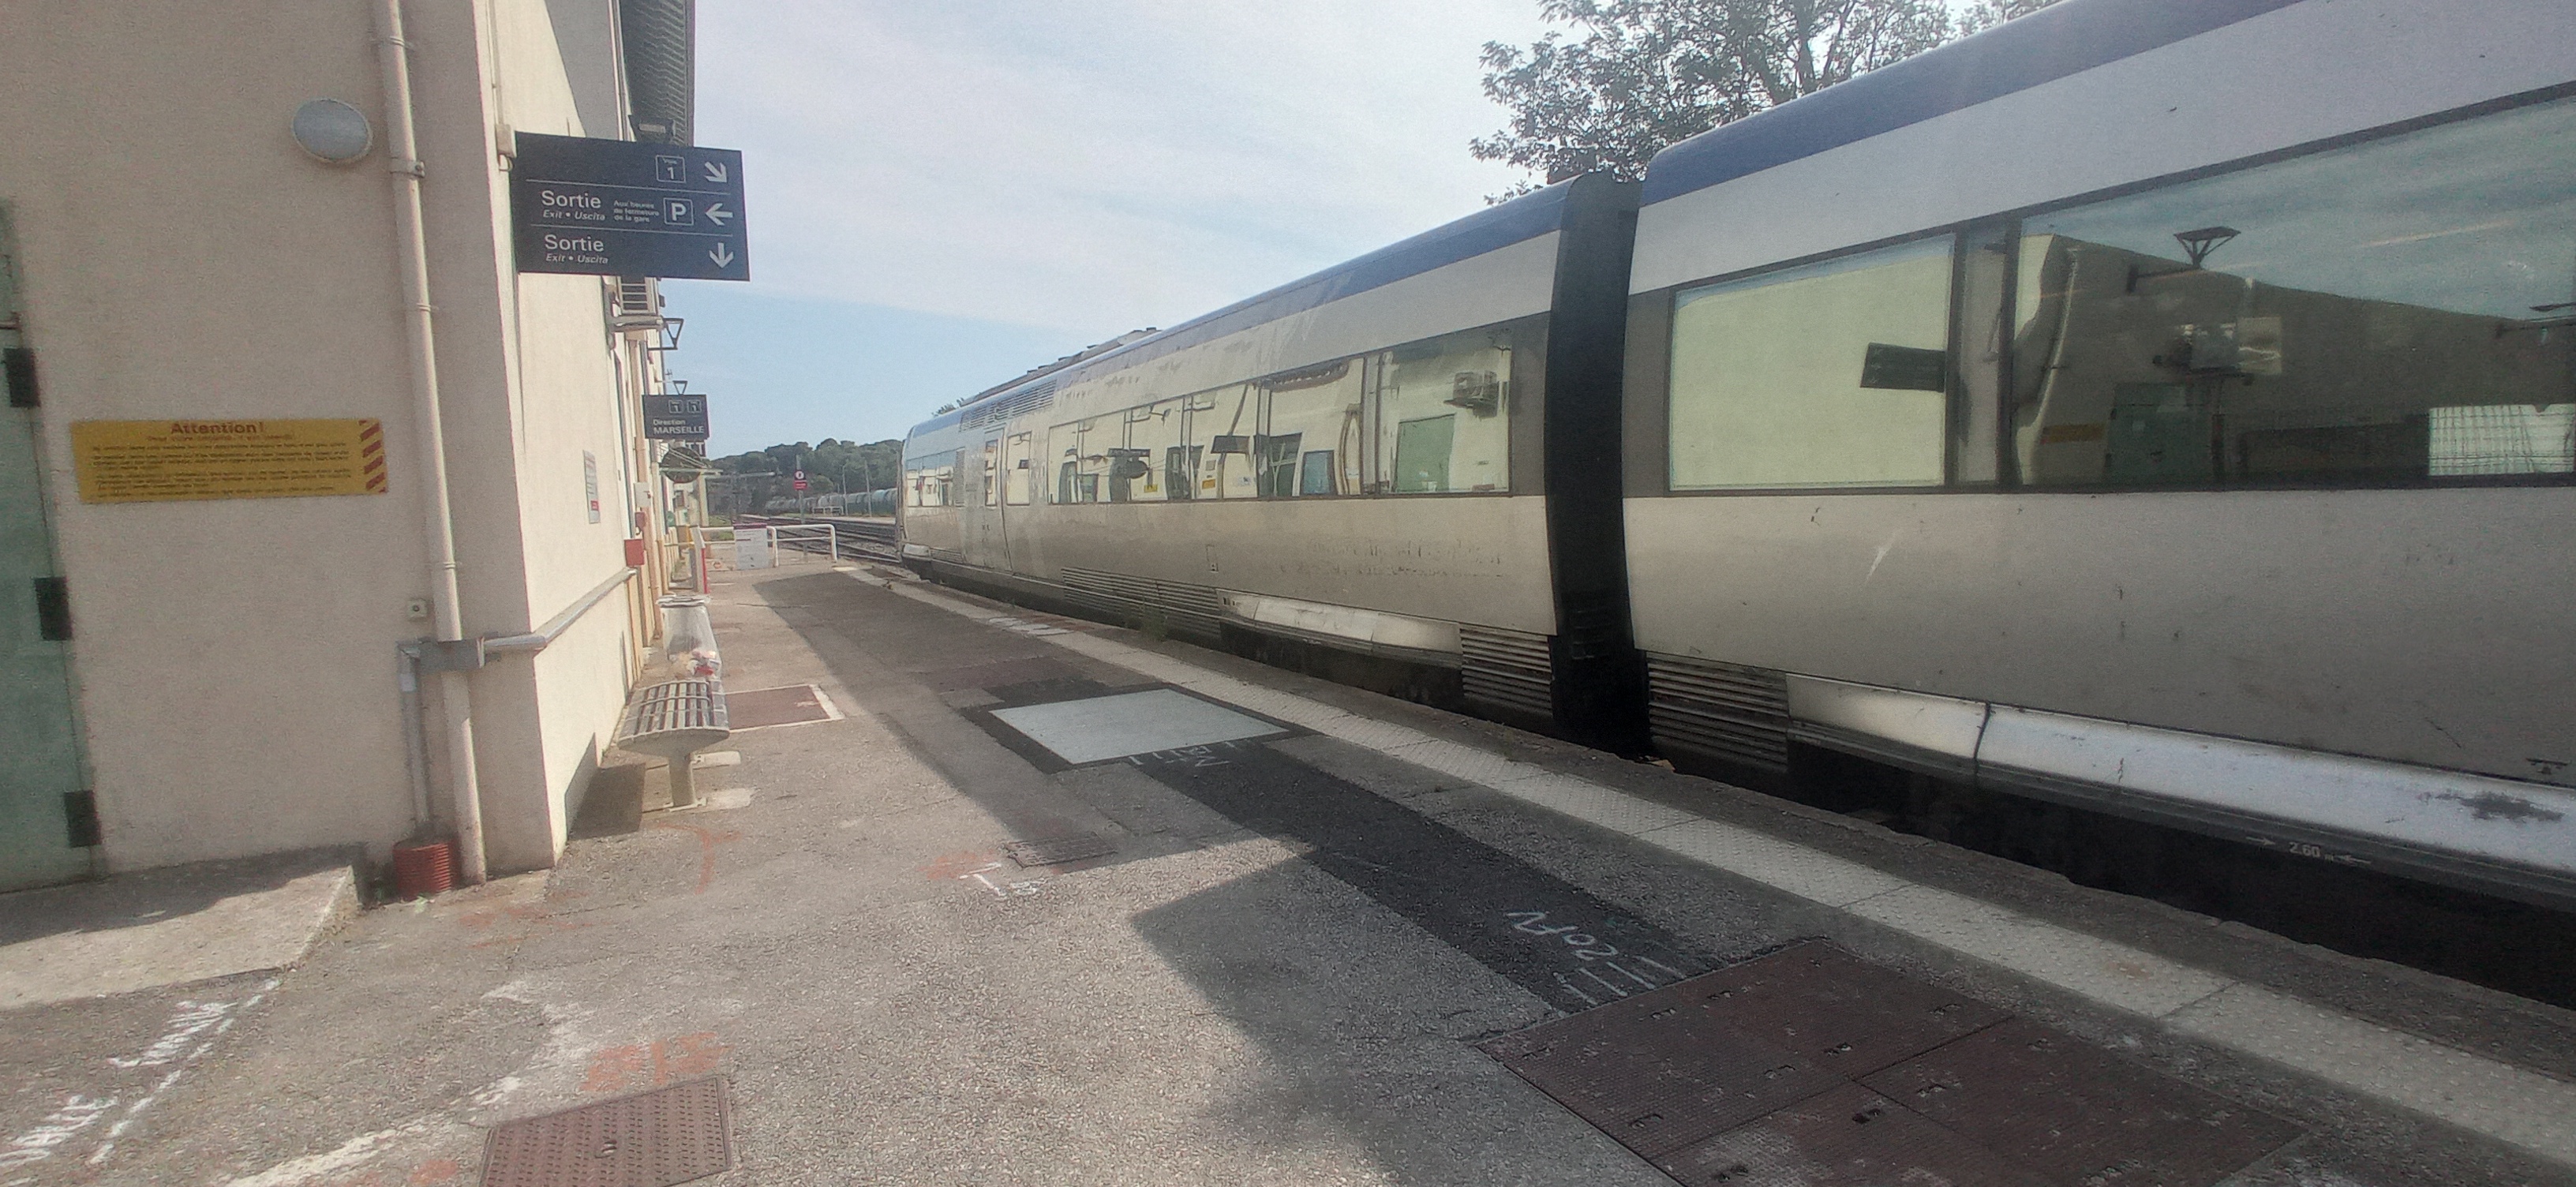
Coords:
722,255
717,214
715,172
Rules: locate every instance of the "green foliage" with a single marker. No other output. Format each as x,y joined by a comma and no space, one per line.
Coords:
830,466
1642,74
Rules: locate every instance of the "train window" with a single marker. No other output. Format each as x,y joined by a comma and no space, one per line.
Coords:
1082,452
1223,424
926,481
1309,417
2396,310
991,466
1016,479
1828,375
1443,414
1140,468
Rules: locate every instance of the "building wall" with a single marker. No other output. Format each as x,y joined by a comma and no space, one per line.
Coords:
183,258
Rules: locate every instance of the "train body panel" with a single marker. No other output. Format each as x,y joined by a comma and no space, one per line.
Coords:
2398,624
1355,461
2185,398
2297,74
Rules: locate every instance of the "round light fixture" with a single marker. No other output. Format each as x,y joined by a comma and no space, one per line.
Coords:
333,131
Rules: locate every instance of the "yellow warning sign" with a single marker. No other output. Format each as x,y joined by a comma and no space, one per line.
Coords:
146,461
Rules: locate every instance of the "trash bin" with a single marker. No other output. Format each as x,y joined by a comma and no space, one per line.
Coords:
689,637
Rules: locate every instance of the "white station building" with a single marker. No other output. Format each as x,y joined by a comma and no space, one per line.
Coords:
251,456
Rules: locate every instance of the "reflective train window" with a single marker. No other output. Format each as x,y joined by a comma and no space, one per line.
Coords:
1015,469
1310,437
2395,310
1222,425
1082,458
1443,420
926,482
1827,375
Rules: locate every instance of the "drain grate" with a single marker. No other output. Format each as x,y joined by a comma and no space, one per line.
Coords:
652,1139
1055,851
1813,1066
794,704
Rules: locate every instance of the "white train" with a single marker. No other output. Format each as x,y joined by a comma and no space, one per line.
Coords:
2160,408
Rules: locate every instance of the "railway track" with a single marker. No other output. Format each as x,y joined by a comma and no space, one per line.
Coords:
852,538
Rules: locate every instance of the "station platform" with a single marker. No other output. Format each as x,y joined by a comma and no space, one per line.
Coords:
982,895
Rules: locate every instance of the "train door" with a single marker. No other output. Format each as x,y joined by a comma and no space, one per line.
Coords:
48,831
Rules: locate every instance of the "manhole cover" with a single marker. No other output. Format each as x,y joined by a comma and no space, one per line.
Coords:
1658,1079
652,1139
2080,1114
1849,1135
794,704
1054,851
1813,1066
1845,1013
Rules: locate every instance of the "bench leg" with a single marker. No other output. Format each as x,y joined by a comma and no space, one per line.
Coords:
684,782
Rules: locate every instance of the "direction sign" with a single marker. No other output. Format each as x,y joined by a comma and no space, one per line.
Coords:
622,208
675,418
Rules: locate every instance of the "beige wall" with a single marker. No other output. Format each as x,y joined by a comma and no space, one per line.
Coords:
183,258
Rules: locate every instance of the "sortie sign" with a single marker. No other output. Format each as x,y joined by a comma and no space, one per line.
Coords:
620,208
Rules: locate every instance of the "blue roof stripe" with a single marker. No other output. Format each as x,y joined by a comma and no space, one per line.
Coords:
1490,229
2062,39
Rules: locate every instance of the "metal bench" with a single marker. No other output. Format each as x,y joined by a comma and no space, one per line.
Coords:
674,720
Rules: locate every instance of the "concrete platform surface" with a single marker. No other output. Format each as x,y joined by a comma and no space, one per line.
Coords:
1279,969
168,927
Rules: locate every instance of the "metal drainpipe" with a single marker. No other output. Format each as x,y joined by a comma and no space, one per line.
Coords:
412,241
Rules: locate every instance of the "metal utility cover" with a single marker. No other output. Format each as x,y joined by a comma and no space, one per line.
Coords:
2078,1114
793,704
1847,1014
1053,851
1099,728
1660,1079
1849,1135
1811,1066
653,1139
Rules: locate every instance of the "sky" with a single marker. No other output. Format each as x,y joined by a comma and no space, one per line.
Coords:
942,196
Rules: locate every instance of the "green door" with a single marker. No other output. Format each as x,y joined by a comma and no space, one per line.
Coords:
46,825
1422,454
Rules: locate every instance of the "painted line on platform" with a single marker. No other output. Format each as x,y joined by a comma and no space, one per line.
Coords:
2518,1107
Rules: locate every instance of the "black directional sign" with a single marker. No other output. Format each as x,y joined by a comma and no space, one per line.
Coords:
620,208
675,418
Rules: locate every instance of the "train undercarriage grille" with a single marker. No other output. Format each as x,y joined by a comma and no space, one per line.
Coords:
1507,670
1724,711
1184,608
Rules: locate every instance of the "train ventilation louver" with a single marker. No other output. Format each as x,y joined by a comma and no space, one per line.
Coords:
1724,711
1506,670
999,409
1183,608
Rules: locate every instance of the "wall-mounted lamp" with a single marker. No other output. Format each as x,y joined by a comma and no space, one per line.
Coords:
333,132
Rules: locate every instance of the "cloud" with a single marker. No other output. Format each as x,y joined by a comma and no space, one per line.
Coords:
1091,168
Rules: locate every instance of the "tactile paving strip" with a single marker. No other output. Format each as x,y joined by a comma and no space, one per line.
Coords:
652,1139
1812,1066
791,705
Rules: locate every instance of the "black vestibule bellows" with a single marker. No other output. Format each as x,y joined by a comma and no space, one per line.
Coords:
1600,683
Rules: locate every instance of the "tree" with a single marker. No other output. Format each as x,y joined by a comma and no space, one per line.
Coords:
1647,73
